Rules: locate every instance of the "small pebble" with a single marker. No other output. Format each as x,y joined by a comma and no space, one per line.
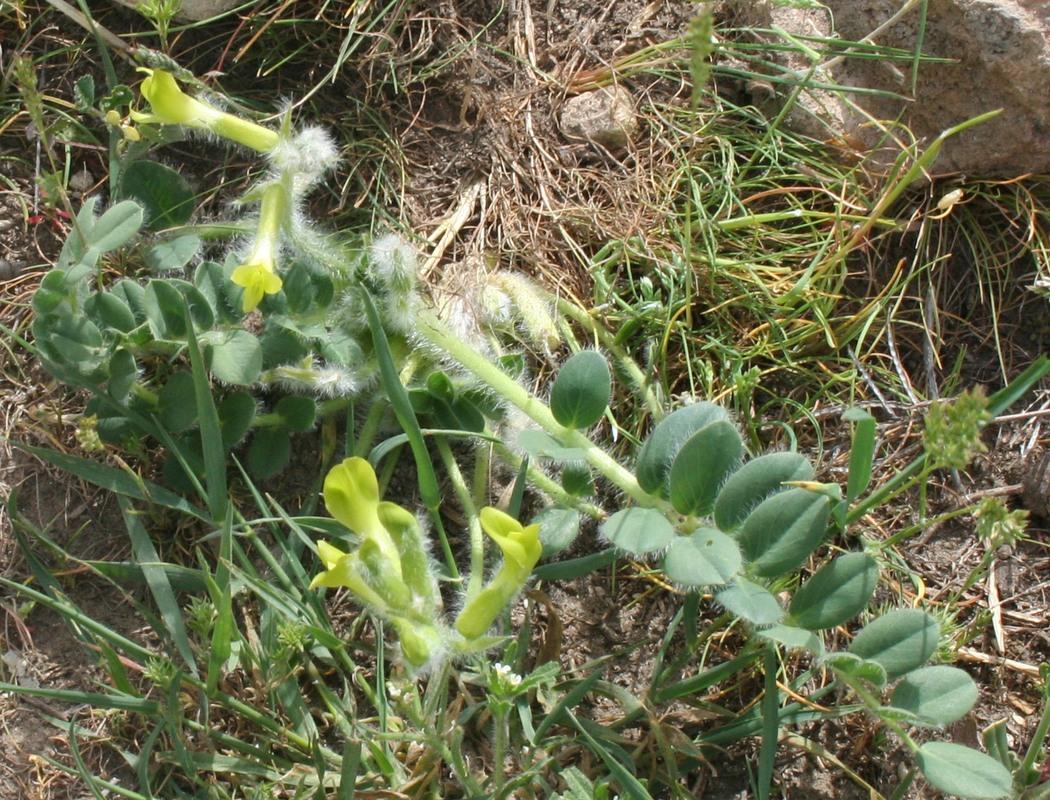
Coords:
605,117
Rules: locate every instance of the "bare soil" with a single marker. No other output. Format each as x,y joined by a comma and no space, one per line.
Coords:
488,175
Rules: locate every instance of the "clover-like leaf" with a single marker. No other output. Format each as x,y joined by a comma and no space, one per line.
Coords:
174,253
269,452
856,667
559,528
963,771
793,638
702,465
899,641
168,200
836,593
638,531
299,413
581,390
751,602
706,557
236,413
177,403
754,482
782,532
667,438
235,356
937,695
541,444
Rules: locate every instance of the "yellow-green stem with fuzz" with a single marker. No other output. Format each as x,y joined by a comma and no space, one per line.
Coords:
477,538
434,331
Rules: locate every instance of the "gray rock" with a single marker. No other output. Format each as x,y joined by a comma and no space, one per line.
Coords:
998,56
195,10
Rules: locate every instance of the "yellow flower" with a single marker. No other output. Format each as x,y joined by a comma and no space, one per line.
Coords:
171,106
258,279
520,545
345,569
351,494
521,550
258,275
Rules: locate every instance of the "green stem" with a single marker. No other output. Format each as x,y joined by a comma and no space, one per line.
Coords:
470,511
911,530
899,483
499,746
548,485
630,367
140,391
369,429
432,329
482,467
873,703
1035,748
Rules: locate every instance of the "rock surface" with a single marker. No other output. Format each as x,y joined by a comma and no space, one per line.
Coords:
195,10
996,55
604,117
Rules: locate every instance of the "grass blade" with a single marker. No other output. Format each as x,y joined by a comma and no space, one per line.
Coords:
1013,391
348,774
576,567
861,454
222,597
770,724
631,785
112,479
406,416
211,431
116,702
163,595
571,699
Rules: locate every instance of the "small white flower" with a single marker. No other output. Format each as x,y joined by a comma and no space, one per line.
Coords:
505,676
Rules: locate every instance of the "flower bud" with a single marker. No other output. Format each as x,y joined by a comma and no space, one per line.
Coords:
171,106
521,550
419,643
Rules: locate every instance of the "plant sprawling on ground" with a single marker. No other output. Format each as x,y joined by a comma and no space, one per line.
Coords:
526,435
